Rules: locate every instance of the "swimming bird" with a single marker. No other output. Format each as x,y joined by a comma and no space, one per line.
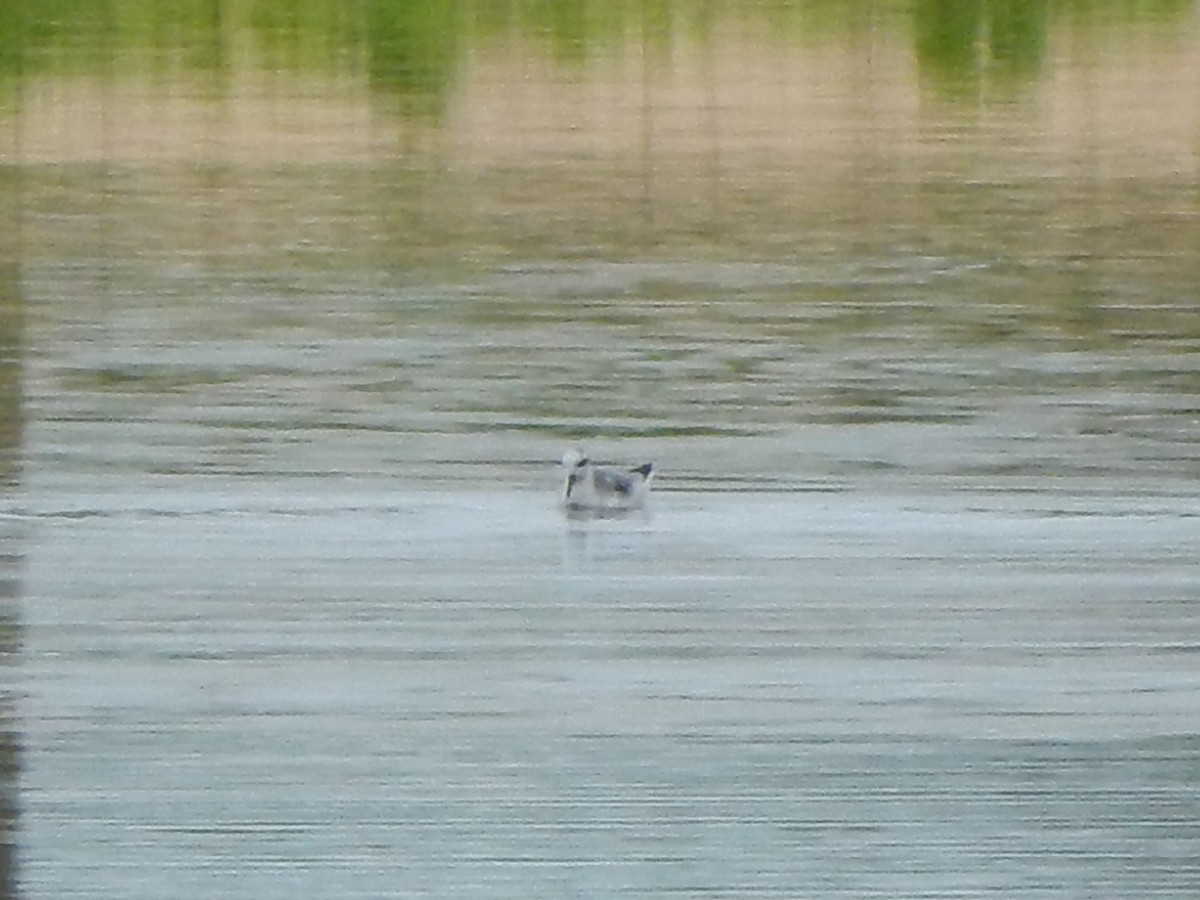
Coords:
592,488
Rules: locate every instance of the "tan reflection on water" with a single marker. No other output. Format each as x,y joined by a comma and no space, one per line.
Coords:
732,141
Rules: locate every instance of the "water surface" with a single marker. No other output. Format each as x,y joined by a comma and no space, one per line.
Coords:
296,314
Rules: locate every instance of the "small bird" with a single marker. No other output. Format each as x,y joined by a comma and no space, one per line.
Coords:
592,488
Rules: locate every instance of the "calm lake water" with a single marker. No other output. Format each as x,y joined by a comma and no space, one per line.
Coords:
298,309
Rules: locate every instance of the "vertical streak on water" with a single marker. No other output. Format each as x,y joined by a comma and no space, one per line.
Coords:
215,95
712,116
647,117
1079,255
12,319
107,210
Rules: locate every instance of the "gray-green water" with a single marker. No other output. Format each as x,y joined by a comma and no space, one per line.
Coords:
298,307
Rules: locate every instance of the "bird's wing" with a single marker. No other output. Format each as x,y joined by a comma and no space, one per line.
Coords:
616,482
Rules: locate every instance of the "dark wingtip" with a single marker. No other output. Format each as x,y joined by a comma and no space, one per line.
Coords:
645,470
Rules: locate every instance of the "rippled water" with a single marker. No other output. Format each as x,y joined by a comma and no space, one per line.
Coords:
288,358
361,691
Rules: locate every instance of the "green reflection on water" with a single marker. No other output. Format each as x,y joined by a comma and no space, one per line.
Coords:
578,127
956,39
417,48
412,51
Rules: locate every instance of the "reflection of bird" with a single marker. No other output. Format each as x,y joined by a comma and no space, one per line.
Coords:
589,487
